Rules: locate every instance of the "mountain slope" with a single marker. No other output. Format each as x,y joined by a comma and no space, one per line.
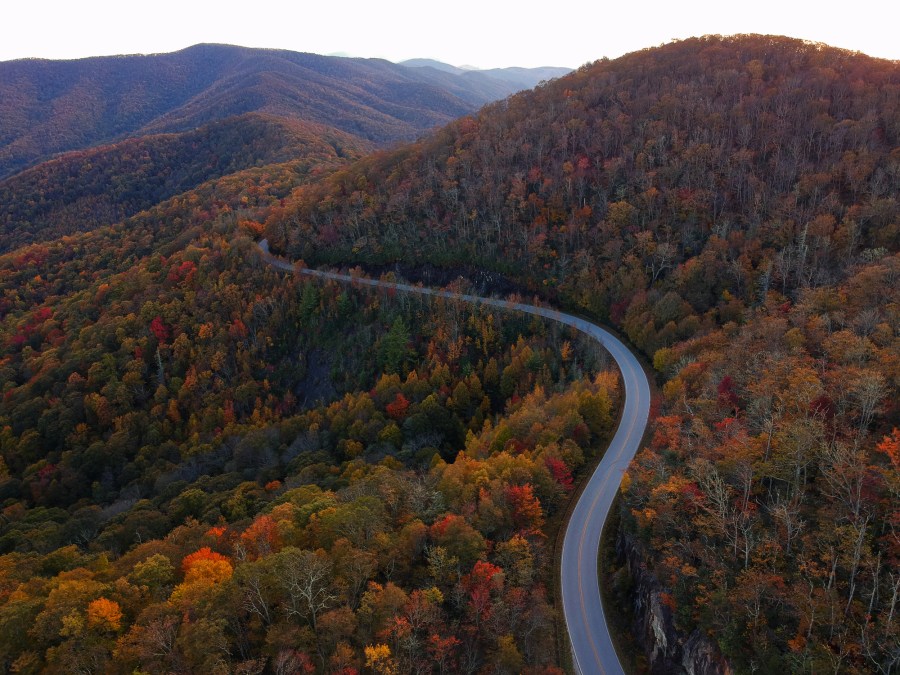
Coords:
700,138
731,205
82,190
48,107
178,421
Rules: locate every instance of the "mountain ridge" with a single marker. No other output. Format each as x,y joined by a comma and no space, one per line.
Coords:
83,189
47,107
519,77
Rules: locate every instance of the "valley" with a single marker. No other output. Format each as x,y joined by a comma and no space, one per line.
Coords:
592,646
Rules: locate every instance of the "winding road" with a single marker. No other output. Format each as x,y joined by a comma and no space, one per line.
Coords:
592,646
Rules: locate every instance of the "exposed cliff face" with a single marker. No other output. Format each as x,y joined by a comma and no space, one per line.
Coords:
668,651
699,656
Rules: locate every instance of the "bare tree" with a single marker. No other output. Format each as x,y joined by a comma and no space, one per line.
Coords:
787,512
305,577
867,391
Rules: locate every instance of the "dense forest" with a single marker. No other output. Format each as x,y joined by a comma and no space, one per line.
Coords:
211,466
83,190
732,205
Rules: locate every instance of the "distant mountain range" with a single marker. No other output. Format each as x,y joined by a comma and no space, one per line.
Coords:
48,107
516,78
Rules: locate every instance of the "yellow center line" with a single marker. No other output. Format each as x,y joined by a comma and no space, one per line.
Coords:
600,490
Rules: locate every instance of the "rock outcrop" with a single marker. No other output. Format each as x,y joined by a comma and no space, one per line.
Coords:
668,650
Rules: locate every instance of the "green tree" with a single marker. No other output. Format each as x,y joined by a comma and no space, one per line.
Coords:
394,351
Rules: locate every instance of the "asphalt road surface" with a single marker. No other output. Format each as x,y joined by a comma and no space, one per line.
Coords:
592,647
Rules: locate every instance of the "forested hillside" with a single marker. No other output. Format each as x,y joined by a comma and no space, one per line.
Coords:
211,466
85,189
47,107
732,205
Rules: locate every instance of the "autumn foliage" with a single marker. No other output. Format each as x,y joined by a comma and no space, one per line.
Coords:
209,465
726,203
104,614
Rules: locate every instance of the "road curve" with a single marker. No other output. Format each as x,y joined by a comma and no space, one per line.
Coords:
592,646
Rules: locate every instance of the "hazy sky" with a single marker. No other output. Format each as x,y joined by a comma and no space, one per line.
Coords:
485,33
